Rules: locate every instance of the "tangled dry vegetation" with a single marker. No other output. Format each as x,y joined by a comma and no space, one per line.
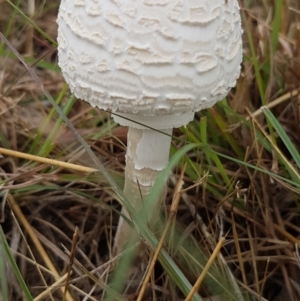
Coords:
257,212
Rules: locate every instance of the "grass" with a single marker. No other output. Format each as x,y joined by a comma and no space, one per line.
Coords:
239,162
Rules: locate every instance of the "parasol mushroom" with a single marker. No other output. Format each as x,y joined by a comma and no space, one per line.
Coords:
154,63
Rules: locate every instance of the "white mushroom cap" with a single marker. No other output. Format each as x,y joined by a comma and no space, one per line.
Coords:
155,61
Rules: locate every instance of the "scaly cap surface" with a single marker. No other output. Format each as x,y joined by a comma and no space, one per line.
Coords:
146,58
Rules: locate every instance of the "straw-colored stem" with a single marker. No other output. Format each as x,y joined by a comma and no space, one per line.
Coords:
147,154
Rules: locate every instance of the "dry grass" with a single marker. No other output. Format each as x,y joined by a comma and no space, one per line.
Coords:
258,213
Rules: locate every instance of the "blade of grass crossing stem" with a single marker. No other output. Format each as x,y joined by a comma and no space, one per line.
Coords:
212,156
163,176
170,221
284,137
14,267
140,222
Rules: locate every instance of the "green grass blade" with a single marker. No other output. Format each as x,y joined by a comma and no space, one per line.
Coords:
276,25
9,24
267,172
32,23
254,60
14,267
37,139
227,136
48,144
211,157
284,137
3,280
33,61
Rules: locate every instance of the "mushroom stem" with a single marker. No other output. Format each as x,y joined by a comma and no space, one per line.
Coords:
147,155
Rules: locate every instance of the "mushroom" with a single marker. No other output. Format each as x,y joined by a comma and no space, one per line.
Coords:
153,64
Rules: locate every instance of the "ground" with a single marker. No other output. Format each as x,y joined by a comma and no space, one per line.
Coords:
241,178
